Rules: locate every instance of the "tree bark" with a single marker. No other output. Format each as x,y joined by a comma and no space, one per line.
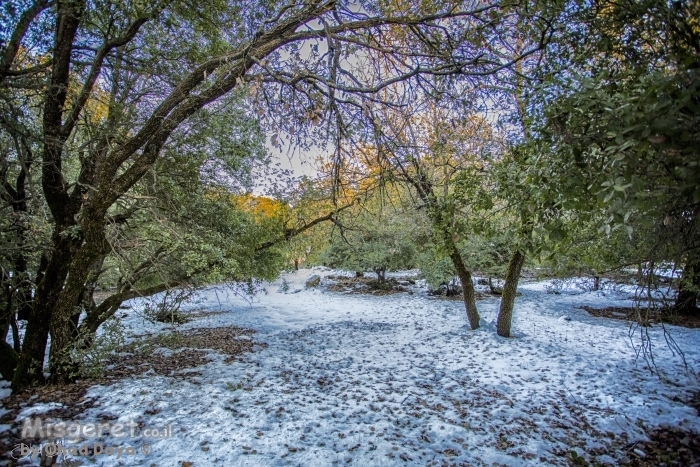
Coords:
468,293
30,368
95,246
505,312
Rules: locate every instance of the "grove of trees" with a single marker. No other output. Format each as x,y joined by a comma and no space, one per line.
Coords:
461,137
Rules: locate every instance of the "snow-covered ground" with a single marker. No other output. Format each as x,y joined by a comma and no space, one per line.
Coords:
401,380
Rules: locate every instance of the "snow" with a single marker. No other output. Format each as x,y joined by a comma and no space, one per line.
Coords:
401,380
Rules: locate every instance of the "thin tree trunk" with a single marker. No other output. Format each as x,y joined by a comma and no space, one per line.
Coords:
15,335
468,293
381,274
494,289
640,273
505,312
8,311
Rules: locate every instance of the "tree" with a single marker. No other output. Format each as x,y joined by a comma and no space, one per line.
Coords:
619,134
378,236
431,151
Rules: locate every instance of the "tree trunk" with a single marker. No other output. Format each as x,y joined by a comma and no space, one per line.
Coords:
61,325
687,298
505,312
468,293
8,312
30,368
640,273
296,264
8,355
8,360
63,206
381,274
15,335
596,282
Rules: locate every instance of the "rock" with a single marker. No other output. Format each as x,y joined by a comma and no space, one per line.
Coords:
564,318
313,281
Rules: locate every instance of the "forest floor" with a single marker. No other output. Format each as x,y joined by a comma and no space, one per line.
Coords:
325,376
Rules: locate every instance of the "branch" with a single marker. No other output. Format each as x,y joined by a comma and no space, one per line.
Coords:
95,70
12,47
180,104
290,233
107,308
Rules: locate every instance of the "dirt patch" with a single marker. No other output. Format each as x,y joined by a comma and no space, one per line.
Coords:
661,315
666,446
189,350
370,286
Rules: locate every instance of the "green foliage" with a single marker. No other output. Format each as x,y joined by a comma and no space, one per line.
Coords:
628,143
378,240
436,269
610,172
90,353
184,223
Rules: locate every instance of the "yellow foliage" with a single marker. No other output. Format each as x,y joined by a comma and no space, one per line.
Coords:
96,108
259,206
